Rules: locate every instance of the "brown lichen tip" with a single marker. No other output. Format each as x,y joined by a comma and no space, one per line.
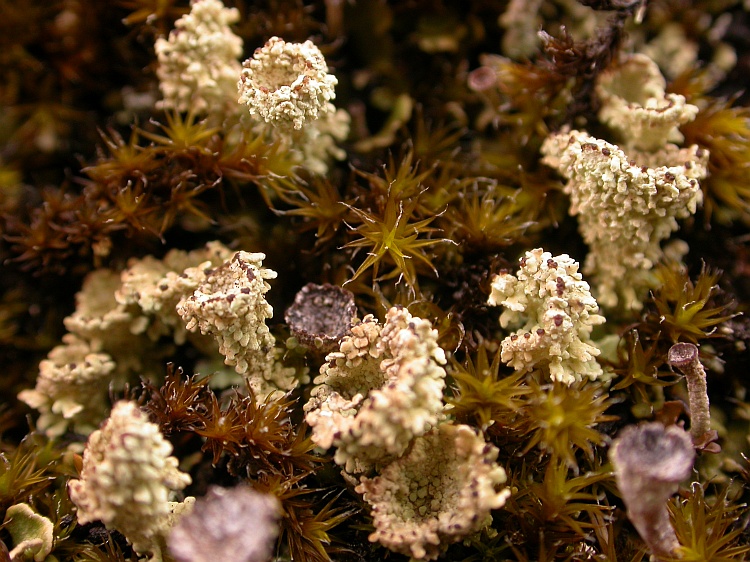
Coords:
682,355
650,461
321,315
237,524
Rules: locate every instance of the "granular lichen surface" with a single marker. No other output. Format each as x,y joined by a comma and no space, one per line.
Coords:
399,280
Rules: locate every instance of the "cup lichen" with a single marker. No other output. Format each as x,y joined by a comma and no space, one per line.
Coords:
126,479
375,169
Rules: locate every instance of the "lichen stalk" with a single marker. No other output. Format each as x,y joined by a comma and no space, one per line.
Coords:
650,461
684,357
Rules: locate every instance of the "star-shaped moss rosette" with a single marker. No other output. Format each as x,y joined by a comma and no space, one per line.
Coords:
393,234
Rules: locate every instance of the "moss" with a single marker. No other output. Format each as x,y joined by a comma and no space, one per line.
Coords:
438,188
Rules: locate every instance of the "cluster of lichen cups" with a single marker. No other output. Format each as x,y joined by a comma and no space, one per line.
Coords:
448,381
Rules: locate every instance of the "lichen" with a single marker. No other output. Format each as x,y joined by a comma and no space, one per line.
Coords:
71,388
634,103
32,533
230,305
98,317
157,286
127,477
462,136
227,524
553,303
321,315
287,84
379,391
115,312
198,64
438,493
672,50
521,22
626,204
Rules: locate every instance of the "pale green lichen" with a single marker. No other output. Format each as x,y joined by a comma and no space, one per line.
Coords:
345,380
156,286
71,388
438,493
127,478
230,305
627,204
557,313
33,534
73,380
634,103
198,63
521,21
318,142
287,84
672,50
137,309
383,388
98,317
288,91
628,197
